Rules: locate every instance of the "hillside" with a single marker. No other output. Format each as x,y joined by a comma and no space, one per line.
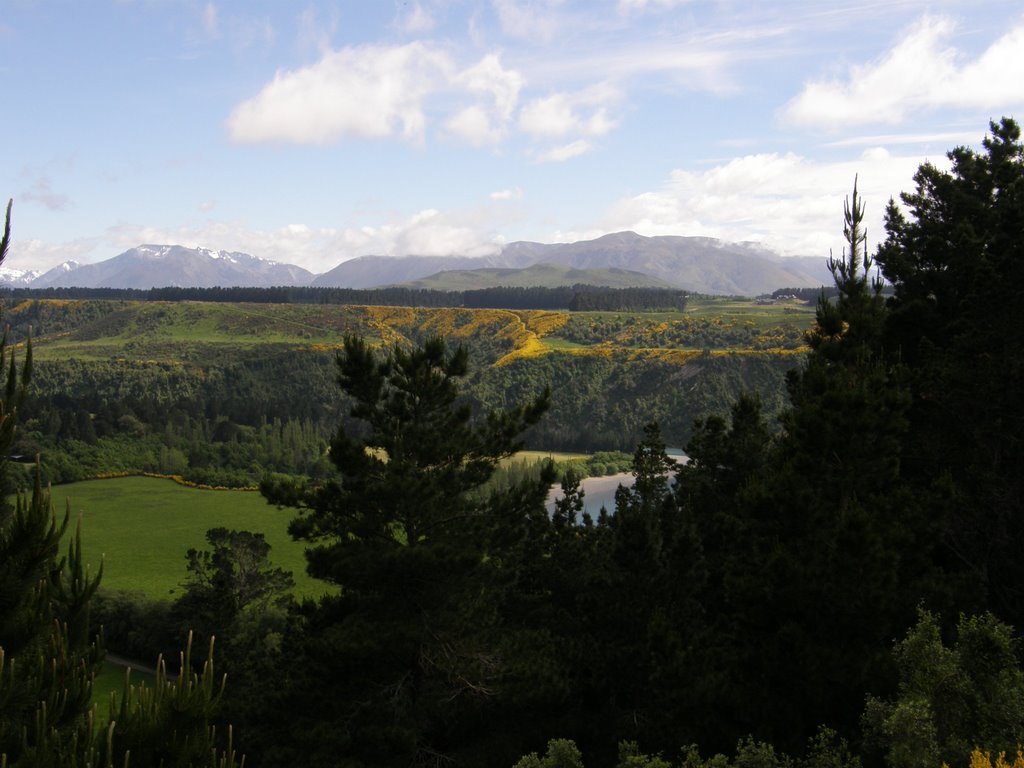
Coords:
535,276
222,393
696,264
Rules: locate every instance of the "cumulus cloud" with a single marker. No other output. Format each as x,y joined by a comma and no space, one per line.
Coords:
923,71
476,126
572,119
785,201
489,78
431,233
507,194
365,92
585,113
498,88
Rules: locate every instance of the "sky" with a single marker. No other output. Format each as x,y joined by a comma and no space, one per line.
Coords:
311,133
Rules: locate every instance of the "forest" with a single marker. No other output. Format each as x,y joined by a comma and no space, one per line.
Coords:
830,582
221,393
579,297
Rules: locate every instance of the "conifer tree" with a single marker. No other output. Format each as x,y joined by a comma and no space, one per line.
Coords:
956,264
814,556
395,664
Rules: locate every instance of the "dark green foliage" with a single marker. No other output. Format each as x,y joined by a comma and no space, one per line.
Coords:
956,265
825,750
396,668
805,536
577,297
235,574
953,698
169,723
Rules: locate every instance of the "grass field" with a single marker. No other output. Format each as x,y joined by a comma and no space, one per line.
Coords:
141,527
742,309
535,456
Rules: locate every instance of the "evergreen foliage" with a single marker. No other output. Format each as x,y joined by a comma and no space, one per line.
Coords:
956,268
403,657
575,298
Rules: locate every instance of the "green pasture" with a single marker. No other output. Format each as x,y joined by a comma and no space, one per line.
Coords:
141,528
194,331
728,309
743,309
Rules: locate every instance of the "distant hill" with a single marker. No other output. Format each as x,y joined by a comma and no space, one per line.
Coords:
697,264
535,276
160,266
375,271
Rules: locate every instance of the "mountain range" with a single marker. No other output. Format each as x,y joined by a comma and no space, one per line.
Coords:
697,264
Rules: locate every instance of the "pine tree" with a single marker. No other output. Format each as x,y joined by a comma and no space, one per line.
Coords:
814,554
397,663
956,264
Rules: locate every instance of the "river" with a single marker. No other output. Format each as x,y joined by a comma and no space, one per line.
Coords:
600,491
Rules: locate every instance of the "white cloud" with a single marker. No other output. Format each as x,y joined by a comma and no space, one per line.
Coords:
921,72
565,152
364,92
486,122
530,20
787,202
475,126
507,194
584,113
43,255
488,77
572,118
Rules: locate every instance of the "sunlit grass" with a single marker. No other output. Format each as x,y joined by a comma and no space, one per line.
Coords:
142,527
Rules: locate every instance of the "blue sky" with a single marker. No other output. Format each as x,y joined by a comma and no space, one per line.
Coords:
314,132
